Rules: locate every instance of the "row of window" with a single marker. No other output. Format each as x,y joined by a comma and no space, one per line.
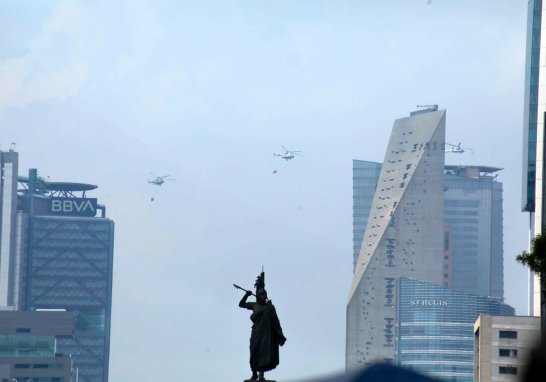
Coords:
39,366
33,379
449,212
454,181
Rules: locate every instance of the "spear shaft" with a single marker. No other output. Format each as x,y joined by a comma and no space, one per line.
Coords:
238,287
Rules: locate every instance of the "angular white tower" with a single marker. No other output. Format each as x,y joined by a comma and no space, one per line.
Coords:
403,238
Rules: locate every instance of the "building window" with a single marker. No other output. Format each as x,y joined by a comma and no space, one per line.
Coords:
446,276
508,353
508,370
22,330
446,242
445,284
508,334
22,366
445,266
446,257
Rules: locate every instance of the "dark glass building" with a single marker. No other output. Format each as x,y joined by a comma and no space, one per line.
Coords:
534,108
435,328
534,114
71,260
58,248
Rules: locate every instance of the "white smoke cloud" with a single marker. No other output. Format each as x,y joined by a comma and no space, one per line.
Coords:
50,68
70,48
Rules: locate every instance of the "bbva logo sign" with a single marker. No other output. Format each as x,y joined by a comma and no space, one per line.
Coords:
74,206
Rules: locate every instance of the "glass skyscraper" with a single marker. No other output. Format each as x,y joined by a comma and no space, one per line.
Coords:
435,328
70,267
57,253
365,179
473,224
534,115
534,108
473,214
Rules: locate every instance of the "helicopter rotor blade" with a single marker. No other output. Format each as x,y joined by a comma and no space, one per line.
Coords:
154,175
450,144
295,151
298,155
165,176
284,148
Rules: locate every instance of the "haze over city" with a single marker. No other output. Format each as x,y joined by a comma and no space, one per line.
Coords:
107,92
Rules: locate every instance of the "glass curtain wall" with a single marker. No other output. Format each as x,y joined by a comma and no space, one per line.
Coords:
365,179
435,328
473,211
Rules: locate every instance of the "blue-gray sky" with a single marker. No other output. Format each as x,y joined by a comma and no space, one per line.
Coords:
105,92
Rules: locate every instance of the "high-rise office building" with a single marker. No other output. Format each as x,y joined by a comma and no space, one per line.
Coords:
533,190
435,328
63,259
403,236
9,286
474,232
365,180
473,224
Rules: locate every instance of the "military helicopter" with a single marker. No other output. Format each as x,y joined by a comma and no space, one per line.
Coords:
457,149
160,180
288,154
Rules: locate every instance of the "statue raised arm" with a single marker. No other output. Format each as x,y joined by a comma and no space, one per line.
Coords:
267,333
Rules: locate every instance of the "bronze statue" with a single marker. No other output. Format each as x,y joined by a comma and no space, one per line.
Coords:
266,331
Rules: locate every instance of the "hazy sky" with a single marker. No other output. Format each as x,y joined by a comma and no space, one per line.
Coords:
104,92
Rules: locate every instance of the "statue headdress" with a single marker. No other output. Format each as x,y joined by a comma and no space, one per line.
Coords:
260,282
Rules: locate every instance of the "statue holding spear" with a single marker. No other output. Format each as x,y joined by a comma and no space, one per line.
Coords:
266,334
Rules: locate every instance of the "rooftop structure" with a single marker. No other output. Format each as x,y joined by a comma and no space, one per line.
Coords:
64,189
478,172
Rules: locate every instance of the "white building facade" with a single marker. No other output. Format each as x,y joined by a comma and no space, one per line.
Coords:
403,236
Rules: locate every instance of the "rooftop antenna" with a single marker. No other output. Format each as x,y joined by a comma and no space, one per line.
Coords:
12,147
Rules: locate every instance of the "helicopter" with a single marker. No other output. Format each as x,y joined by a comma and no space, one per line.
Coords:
457,149
288,154
160,180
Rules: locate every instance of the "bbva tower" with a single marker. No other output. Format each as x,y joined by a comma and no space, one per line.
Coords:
403,236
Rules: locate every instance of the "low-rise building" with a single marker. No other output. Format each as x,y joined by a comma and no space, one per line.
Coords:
28,350
503,345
